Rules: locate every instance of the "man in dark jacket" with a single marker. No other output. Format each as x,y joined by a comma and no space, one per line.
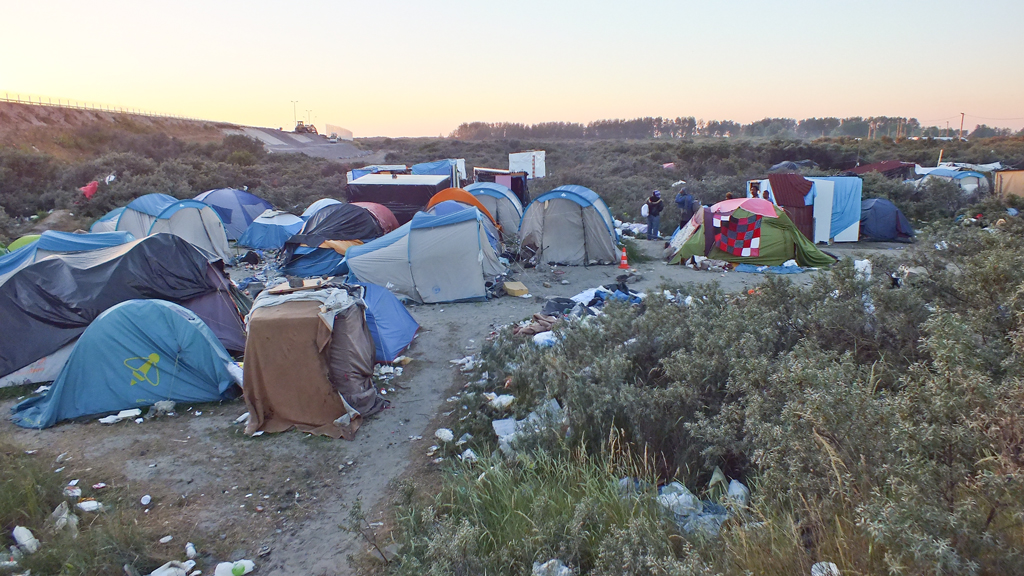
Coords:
654,208
684,200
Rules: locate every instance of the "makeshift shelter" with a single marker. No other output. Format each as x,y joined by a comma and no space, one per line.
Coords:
880,219
454,167
316,206
1009,183
501,202
968,181
791,166
391,325
23,241
52,242
357,173
270,230
403,194
190,219
107,222
887,168
133,355
334,228
237,208
824,209
569,225
745,231
516,181
309,368
48,304
430,259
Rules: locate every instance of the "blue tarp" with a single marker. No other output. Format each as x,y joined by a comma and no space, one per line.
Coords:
845,202
316,262
754,269
375,168
391,325
237,208
133,355
436,168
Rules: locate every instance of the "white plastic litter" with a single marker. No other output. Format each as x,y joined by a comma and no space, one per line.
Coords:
174,568
825,569
680,501
468,455
146,500
464,438
190,550
739,493
863,269
89,506
112,419
499,401
242,419
545,339
553,567
62,518
444,435
790,263
133,413
234,568
166,539
23,536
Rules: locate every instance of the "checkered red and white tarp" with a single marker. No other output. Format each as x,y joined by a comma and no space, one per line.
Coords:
738,236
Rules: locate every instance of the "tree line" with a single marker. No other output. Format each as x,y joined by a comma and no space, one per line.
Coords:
874,127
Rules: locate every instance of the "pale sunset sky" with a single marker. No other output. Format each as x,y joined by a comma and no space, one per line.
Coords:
417,68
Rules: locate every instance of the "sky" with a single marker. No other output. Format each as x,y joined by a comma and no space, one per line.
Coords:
416,68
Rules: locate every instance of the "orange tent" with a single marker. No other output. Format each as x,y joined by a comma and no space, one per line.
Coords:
461,196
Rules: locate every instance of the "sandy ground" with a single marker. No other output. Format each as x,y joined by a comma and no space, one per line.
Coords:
207,479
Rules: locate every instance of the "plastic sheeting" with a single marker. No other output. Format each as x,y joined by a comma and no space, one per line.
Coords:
316,206
53,242
50,303
391,325
135,354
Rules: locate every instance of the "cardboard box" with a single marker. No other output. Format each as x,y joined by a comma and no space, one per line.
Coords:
516,289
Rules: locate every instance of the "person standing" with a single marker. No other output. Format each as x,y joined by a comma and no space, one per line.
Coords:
654,208
684,200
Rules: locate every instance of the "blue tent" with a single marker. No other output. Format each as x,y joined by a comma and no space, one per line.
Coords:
53,242
391,325
271,230
107,222
880,219
309,262
237,208
133,355
316,206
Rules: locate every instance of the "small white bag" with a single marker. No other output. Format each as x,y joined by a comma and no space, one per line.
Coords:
644,210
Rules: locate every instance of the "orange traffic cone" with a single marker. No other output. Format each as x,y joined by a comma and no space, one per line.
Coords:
623,264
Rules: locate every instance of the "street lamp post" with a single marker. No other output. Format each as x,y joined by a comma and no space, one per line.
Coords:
295,115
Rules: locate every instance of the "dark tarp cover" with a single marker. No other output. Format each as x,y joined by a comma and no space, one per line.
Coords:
403,195
50,303
135,354
337,222
880,219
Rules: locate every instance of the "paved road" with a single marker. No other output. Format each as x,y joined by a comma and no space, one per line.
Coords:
277,141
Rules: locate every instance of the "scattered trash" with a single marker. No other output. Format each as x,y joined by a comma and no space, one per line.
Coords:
565,282
437,460
415,438
739,493
112,419
60,458
500,402
257,433
190,550
444,435
545,339
139,420
509,430
31,452
242,419
162,407
679,501
468,455
146,500
72,491
89,506
516,289
174,568
26,541
234,568
62,518
166,539
432,450
553,567
263,551
825,569
863,269
464,438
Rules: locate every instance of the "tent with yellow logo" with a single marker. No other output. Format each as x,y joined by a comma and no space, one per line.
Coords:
135,354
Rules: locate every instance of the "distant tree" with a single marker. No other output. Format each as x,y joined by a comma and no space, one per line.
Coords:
983,131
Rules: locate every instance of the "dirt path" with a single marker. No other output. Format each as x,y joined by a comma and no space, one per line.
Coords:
232,495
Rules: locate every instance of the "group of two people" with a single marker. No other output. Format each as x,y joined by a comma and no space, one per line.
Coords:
654,206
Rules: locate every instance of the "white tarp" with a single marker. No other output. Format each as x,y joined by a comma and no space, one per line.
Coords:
531,162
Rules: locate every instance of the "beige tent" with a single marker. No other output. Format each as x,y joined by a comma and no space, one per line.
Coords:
1009,183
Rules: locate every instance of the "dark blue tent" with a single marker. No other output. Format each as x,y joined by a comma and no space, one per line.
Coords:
134,355
391,325
237,208
880,219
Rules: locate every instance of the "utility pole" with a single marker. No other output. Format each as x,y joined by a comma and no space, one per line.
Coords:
295,116
308,119
961,125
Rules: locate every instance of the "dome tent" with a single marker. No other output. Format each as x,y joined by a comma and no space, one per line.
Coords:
745,231
192,220
430,258
107,222
133,355
880,219
569,225
237,208
318,248
23,241
316,206
501,202
53,242
270,230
